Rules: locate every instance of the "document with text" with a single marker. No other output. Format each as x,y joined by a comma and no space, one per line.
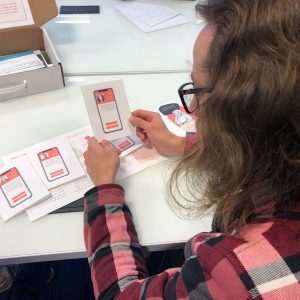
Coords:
14,13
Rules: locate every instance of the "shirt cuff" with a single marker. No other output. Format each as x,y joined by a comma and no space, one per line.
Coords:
105,194
190,140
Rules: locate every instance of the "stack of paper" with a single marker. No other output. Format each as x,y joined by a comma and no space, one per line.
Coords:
150,16
21,62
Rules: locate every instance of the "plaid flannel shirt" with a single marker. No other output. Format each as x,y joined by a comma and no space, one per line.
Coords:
263,262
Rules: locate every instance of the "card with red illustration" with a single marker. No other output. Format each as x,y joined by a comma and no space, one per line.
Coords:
20,188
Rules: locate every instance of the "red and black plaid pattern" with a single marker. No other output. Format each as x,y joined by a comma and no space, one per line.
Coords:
263,262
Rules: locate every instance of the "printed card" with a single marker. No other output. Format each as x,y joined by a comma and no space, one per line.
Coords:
127,144
20,188
177,119
108,110
54,160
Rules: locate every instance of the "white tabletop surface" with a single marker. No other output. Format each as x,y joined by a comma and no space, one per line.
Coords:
109,43
60,236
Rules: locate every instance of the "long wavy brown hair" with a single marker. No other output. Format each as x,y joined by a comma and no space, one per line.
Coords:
248,156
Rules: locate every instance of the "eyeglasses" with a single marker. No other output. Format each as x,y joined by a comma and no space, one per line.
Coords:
186,93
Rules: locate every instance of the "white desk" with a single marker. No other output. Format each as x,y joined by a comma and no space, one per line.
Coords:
60,236
108,43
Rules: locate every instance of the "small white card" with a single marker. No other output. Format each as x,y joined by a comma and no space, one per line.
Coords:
108,110
127,144
15,13
54,160
20,188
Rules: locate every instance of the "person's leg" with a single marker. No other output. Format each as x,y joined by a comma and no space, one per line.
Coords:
30,278
158,261
7,275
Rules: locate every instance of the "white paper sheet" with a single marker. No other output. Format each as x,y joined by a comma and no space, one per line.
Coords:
148,13
170,22
61,196
14,13
139,160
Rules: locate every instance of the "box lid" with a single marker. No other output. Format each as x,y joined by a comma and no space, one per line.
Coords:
42,11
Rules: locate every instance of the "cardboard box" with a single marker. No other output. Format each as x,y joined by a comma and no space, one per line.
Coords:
31,37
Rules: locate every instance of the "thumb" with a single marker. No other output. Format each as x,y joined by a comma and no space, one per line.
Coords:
138,122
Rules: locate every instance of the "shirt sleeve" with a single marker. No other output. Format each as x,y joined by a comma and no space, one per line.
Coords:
190,140
118,268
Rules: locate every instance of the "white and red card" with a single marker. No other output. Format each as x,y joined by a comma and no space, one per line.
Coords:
20,188
13,187
108,110
52,163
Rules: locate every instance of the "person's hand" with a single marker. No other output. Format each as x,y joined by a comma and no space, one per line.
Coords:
102,161
150,128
